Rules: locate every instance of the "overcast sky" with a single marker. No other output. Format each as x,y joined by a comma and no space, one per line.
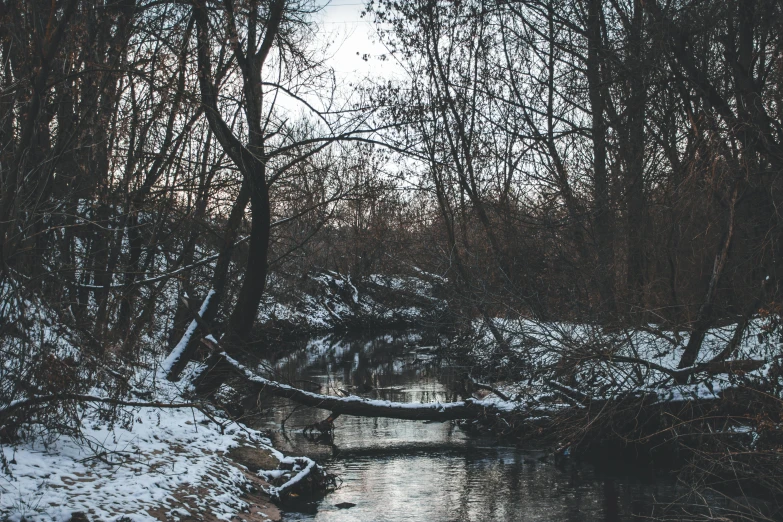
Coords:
350,37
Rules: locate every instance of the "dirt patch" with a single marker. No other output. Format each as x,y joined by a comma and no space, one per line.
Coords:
253,458
185,504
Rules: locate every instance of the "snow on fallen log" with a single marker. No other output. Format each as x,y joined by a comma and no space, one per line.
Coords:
301,473
179,349
355,405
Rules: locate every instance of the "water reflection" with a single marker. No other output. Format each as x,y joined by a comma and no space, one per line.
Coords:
397,470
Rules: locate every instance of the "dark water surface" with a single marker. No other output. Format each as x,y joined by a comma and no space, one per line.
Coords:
395,470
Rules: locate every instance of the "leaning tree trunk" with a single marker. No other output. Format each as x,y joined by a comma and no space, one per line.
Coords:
704,317
219,279
242,319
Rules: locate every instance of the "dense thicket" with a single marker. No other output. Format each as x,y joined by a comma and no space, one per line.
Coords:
148,152
615,159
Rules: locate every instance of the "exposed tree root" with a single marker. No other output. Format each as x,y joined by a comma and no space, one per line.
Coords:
297,476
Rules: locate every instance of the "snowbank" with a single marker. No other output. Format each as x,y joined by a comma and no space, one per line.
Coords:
152,464
603,364
327,301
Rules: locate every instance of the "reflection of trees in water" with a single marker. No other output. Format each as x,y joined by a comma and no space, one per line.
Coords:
461,478
377,367
518,487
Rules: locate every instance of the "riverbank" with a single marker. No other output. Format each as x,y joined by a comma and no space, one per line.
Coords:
161,464
326,301
166,460
134,454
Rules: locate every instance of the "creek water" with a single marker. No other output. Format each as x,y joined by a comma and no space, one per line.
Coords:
398,470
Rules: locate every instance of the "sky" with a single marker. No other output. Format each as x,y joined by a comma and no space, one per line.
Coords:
344,38
350,36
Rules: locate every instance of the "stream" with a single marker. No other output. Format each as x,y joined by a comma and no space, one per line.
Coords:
396,470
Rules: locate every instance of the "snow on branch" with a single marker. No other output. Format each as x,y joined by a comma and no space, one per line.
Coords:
176,353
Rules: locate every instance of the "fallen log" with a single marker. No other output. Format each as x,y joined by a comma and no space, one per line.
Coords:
739,366
517,416
222,363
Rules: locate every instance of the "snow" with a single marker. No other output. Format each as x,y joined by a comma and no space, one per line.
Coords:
151,458
498,404
336,300
176,353
601,376
276,491
53,482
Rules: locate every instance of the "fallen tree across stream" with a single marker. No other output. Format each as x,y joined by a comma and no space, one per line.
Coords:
221,366
650,404
649,410
651,419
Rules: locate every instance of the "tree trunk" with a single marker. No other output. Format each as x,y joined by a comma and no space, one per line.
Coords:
704,317
603,215
242,319
224,366
634,164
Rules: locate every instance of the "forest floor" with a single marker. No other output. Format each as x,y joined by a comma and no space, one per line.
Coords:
152,463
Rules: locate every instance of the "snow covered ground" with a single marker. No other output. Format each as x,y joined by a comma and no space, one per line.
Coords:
329,301
606,363
152,464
